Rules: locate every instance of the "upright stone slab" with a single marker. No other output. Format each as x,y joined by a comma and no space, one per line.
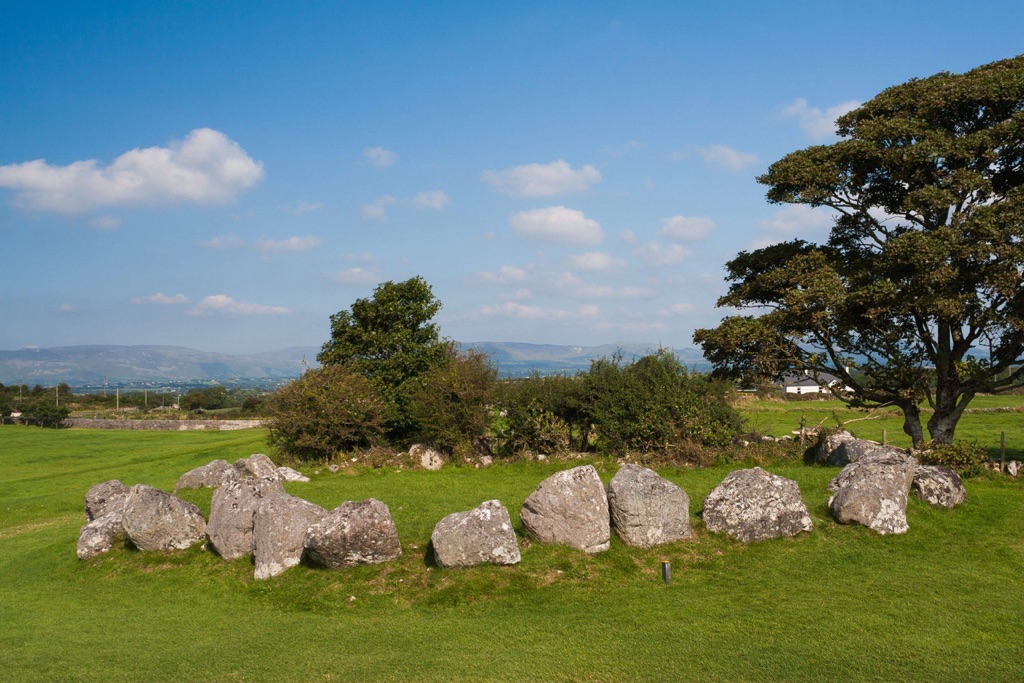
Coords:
755,505
356,532
938,486
873,492
483,535
231,515
570,508
156,520
103,498
279,529
646,509
211,475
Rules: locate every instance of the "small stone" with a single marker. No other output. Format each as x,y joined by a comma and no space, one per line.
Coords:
427,457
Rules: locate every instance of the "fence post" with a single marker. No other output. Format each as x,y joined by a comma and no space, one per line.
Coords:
803,427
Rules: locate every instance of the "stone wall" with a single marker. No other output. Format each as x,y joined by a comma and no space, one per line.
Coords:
163,425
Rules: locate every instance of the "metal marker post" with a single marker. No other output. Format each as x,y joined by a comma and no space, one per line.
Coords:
666,571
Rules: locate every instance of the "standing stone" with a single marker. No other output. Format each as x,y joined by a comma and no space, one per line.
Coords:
99,535
279,529
355,532
755,505
938,485
483,535
570,508
156,520
211,475
104,498
873,492
832,448
646,509
231,515
427,457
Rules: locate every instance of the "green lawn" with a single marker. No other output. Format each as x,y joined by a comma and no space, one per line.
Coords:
942,602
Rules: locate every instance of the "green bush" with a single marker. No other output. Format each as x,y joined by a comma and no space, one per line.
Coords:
966,458
542,415
45,413
450,405
326,411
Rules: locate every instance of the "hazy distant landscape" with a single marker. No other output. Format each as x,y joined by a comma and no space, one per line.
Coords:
91,366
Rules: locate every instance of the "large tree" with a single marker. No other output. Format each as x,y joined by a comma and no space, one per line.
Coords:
390,340
917,295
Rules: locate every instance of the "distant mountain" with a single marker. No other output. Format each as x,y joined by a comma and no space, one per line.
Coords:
82,366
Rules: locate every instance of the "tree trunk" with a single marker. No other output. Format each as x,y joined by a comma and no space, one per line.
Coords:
942,424
912,423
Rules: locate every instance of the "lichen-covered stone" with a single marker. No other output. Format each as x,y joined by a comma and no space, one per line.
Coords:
280,524
100,535
842,448
570,508
231,515
288,474
873,492
938,485
755,505
647,509
104,498
157,520
258,466
211,475
427,457
483,535
355,532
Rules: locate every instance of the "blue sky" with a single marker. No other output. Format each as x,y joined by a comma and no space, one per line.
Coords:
227,175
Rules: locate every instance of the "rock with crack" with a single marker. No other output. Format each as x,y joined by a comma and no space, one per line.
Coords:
570,508
873,492
355,532
157,520
100,535
104,498
231,515
483,535
280,524
646,509
755,505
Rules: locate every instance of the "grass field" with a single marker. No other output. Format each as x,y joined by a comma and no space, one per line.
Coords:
942,602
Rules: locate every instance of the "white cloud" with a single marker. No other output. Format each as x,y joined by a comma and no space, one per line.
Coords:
686,228
682,309
595,260
105,223
205,168
67,308
796,221
161,299
222,303
542,180
303,208
306,243
229,241
356,275
380,157
503,276
628,236
512,309
727,157
558,225
818,124
376,211
656,255
432,199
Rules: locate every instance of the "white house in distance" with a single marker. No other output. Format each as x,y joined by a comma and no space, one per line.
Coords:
808,384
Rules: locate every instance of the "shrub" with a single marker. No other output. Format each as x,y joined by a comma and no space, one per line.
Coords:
327,410
45,413
450,405
966,458
540,414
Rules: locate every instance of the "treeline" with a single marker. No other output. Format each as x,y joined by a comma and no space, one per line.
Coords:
388,379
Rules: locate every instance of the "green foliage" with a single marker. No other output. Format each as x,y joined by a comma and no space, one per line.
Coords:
966,458
44,412
210,398
450,405
655,404
537,412
390,340
326,411
924,261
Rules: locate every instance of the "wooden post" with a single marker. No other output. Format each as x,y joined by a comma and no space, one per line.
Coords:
803,428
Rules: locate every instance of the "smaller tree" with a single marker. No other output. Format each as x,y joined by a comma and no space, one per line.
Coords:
326,411
451,404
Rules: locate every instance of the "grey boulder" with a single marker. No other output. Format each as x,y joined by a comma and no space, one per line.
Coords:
355,532
646,509
211,475
288,474
873,492
842,448
570,508
258,466
280,524
100,535
483,535
938,485
157,520
103,498
755,505
231,515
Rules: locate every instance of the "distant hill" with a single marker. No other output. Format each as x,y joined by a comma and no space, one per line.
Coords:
91,365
